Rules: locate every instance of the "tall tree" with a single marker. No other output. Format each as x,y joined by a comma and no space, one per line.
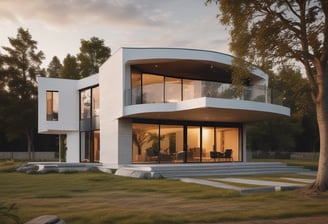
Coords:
93,53
21,64
269,32
298,132
70,68
54,68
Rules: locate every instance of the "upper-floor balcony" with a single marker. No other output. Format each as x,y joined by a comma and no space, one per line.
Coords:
176,90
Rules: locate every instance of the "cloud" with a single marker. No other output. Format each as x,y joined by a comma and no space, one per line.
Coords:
83,12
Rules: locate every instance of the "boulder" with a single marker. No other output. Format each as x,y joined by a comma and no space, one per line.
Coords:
46,219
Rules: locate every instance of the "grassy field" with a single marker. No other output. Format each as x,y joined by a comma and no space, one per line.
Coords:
94,197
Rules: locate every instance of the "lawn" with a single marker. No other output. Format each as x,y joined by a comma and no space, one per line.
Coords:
95,197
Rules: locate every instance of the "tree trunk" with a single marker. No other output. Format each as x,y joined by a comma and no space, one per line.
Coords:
321,182
30,146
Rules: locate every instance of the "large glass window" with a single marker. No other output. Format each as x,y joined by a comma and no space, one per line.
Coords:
96,146
228,139
152,87
95,108
52,105
171,143
192,89
136,87
85,144
172,90
85,100
89,125
208,143
145,138
164,143
193,144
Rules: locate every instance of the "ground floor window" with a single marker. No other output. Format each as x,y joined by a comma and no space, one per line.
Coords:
90,146
181,143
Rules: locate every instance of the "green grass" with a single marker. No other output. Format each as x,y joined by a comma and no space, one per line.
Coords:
94,197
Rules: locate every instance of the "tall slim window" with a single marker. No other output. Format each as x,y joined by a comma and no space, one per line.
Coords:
95,108
89,125
85,99
52,105
136,87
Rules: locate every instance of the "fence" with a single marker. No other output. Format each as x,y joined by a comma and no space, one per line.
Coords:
36,156
284,155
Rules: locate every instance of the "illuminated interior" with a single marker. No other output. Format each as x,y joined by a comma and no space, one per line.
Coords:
163,143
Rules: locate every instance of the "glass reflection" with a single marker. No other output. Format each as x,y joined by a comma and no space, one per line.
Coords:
153,86
172,90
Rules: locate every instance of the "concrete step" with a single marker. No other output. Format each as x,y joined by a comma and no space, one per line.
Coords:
215,169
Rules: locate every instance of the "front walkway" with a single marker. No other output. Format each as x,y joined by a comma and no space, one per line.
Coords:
259,185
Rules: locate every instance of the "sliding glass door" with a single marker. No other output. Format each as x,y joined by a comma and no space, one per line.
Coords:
180,143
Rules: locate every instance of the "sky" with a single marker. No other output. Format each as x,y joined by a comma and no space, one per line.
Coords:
59,25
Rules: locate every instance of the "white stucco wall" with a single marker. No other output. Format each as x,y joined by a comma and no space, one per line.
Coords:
68,108
111,107
73,147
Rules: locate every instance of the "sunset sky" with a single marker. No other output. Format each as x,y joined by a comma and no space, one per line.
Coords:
59,25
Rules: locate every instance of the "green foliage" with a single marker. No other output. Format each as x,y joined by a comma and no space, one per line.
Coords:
7,213
54,68
297,133
275,135
93,53
296,91
271,34
70,68
20,65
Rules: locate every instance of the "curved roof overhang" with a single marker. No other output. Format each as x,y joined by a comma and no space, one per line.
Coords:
186,63
208,110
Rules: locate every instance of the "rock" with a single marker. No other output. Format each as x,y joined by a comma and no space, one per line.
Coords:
46,219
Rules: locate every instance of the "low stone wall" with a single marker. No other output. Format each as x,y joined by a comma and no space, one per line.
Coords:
304,155
37,156
283,155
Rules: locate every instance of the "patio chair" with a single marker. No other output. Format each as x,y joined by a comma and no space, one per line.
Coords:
228,154
213,155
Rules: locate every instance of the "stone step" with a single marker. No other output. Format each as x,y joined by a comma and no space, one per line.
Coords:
194,170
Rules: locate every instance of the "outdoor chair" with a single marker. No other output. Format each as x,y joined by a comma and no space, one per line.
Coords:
216,155
228,154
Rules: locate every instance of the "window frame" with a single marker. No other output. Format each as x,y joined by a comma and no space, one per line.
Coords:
51,105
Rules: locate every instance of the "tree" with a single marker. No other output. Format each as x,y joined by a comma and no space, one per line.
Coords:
93,53
271,32
20,66
297,96
70,68
289,134
54,68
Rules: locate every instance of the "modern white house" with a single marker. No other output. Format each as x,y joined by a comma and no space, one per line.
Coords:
156,105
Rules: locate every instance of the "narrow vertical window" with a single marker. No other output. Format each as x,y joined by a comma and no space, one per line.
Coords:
52,105
136,97
85,99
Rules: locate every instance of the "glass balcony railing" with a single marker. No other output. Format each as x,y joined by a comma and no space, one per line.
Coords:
197,89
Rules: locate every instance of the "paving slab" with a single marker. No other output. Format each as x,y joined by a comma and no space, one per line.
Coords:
269,186
260,182
301,180
210,183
